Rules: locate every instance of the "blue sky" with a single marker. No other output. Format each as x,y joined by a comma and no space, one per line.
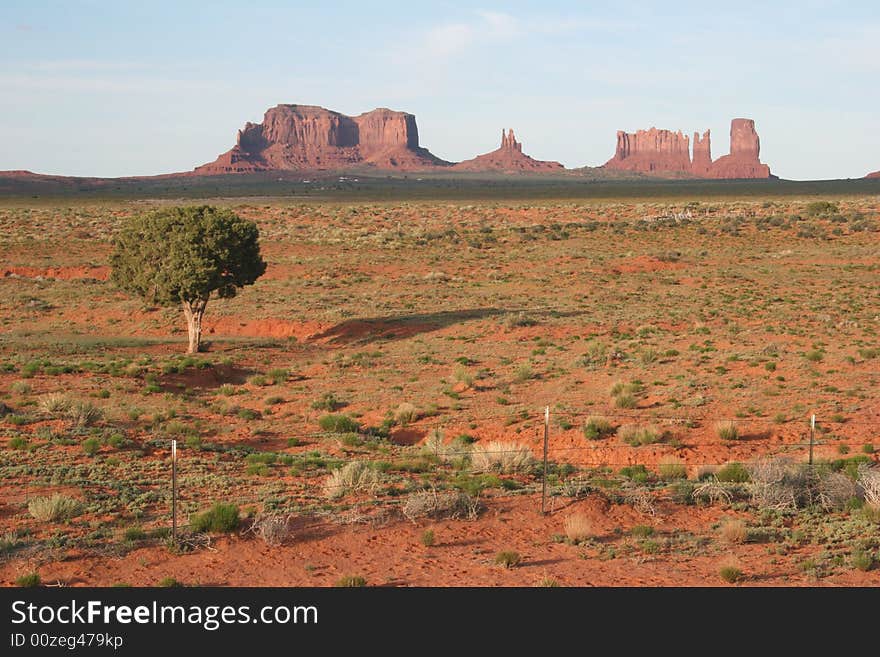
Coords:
135,88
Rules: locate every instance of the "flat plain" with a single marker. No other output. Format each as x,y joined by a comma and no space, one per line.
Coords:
374,406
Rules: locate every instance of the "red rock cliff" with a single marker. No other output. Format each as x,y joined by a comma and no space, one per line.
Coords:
508,158
665,152
309,137
652,151
745,149
702,162
876,174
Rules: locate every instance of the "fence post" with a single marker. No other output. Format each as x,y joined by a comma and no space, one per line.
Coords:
174,491
812,431
546,444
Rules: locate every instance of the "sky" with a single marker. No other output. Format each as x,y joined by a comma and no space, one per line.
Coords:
98,88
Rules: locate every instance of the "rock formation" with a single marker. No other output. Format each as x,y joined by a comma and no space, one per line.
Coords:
702,162
665,152
308,137
508,158
651,151
743,161
876,174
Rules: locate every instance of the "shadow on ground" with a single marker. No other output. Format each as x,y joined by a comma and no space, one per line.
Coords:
365,330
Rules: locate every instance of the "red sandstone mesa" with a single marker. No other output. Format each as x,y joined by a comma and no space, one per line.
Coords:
662,151
508,158
876,174
308,137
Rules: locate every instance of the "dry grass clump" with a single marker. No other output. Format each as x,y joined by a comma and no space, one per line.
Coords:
779,484
578,527
500,456
435,447
734,531
56,507
81,413
596,427
638,434
727,430
671,467
869,483
274,529
54,403
439,504
406,414
352,477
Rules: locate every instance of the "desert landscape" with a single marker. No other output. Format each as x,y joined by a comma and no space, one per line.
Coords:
281,309
371,410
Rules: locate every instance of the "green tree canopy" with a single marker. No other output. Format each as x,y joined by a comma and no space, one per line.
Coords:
183,255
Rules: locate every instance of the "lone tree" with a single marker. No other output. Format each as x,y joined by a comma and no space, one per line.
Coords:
183,255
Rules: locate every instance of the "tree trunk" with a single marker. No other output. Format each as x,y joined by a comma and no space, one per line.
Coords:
194,311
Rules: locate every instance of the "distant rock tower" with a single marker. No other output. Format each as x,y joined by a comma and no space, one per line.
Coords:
509,142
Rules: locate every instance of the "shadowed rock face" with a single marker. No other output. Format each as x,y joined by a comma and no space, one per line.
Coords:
662,151
508,158
309,137
876,174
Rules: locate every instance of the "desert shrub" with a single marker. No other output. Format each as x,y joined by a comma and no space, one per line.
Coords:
350,581
338,423
638,473
134,534
636,434
821,209
596,428
18,442
278,375
734,473
83,413
327,402
30,580
815,355
836,490
869,483
56,507
642,531
220,518
595,354
20,387
625,400
712,491
169,583
462,375
428,538
91,446
682,491
274,529
549,582
648,355
439,504
672,468
352,477
434,446
54,403
508,559
734,531
727,430
862,560
779,484
523,373
499,456
405,414
730,574
578,527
